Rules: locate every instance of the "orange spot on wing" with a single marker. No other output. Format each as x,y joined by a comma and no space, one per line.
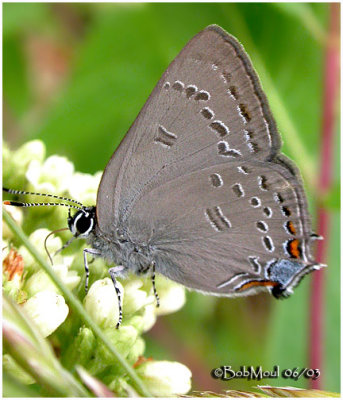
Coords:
291,227
257,283
294,249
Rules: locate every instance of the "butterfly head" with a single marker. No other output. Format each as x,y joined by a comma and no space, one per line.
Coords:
82,223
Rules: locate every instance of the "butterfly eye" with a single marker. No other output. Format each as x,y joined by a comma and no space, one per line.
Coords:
82,223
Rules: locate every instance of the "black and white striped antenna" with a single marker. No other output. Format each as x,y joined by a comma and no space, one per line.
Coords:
76,204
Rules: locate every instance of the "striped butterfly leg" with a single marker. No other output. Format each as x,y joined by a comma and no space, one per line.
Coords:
114,272
153,284
85,252
144,270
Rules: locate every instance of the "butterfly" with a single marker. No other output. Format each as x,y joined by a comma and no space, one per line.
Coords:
198,190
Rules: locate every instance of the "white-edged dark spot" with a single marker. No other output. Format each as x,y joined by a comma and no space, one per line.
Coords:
268,243
226,76
164,137
217,219
202,95
262,183
225,150
178,85
219,127
243,170
190,90
244,113
262,226
207,113
214,67
237,189
255,264
216,180
278,198
286,211
166,85
267,212
233,92
255,202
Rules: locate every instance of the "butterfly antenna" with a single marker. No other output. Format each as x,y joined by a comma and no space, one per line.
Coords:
45,240
20,204
14,191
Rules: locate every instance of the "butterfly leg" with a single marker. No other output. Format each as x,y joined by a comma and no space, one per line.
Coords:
153,284
113,273
94,253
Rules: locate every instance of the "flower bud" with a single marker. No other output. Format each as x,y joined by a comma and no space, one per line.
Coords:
37,239
33,150
165,378
17,214
135,298
48,310
84,187
101,303
85,345
16,162
40,280
52,176
149,317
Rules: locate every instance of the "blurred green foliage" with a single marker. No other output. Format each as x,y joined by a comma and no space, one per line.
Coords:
76,75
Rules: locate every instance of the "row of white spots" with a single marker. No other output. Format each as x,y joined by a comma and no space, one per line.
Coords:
216,126
191,91
256,202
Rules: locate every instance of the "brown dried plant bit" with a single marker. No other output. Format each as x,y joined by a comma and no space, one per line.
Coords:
141,360
13,264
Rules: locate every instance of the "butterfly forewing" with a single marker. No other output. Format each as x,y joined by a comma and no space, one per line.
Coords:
208,108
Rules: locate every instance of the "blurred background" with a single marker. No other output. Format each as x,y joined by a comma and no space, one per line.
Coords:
76,75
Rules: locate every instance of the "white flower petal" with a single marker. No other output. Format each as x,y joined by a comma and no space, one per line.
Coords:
48,310
165,378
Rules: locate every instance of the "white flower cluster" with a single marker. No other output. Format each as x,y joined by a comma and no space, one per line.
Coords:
43,302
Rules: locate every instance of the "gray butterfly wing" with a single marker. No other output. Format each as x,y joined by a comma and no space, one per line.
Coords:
208,108
200,181
227,229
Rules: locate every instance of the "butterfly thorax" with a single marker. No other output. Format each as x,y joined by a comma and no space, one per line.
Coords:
121,250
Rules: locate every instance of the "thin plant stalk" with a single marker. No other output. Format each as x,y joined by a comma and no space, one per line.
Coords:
76,305
331,85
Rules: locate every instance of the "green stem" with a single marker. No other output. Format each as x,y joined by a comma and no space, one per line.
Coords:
77,306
